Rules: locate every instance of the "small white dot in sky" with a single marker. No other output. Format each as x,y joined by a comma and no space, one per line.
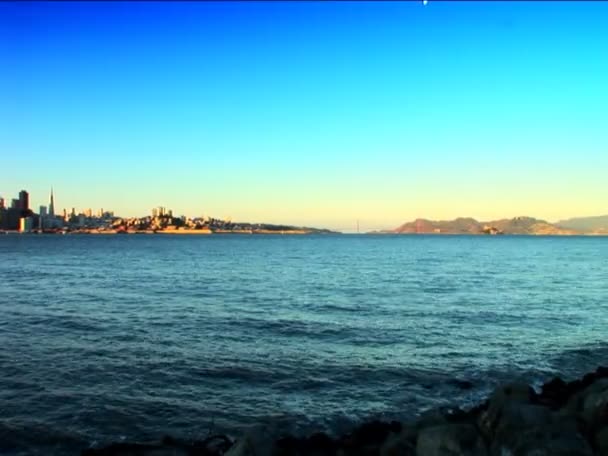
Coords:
425,2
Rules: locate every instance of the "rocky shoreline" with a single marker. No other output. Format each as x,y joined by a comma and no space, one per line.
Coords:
560,419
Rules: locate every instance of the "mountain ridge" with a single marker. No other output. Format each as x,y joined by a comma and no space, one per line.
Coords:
524,225
597,223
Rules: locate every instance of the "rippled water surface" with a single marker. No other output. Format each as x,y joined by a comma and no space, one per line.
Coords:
132,337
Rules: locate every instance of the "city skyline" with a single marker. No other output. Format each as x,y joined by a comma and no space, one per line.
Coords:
18,216
80,215
312,114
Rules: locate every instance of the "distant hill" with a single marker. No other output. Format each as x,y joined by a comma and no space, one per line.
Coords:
457,226
462,225
598,224
528,225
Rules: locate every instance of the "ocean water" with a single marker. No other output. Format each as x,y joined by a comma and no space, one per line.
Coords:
109,338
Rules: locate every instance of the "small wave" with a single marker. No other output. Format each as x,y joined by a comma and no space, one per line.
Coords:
340,308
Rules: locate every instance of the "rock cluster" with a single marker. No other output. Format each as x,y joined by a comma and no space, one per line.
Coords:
563,418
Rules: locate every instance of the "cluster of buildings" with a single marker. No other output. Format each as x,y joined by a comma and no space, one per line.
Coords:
162,219
20,217
17,216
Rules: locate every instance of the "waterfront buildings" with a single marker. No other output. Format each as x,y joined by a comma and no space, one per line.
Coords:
10,218
26,224
19,217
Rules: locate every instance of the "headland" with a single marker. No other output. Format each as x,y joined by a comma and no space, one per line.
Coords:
517,225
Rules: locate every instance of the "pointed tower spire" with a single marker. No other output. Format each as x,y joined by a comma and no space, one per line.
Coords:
52,205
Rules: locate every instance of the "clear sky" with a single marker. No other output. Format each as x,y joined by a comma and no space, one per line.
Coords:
311,113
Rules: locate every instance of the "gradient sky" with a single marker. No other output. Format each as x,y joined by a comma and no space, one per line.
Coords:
308,113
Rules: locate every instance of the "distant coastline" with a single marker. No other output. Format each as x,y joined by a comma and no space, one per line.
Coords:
385,233
584,226
282,232
192,232
20,219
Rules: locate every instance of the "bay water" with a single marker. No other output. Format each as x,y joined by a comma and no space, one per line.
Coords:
110,338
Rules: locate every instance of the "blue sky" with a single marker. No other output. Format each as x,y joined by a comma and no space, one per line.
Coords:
309,113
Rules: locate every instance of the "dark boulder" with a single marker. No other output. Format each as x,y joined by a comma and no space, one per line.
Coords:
450,439
554,394
554,439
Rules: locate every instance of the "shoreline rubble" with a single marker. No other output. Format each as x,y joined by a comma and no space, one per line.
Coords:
561,419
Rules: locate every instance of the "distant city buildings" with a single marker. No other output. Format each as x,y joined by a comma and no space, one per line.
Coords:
48,220
161,212
24,200
26,224
19,217
11,218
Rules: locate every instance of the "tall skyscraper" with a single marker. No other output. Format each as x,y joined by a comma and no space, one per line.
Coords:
1,203
52,205
24,200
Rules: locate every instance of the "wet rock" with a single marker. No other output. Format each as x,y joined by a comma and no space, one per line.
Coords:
526,427
514,417
549,440
513,393
433,417
288,445
319,444
256,441
590,406
375,432
369,437
242,447
555,394
400,444
136,449
214,445
443,415
475,412
595,404
601,372
450,439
